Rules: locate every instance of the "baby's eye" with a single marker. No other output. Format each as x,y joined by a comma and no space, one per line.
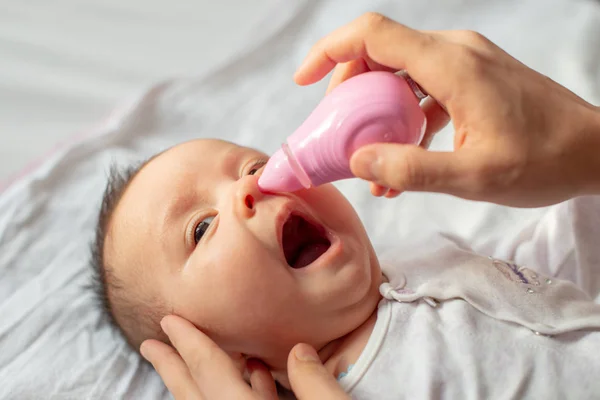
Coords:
257,166
201,228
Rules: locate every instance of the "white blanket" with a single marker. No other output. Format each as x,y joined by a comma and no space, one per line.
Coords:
52,344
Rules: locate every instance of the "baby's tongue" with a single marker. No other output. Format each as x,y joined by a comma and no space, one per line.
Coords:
310,253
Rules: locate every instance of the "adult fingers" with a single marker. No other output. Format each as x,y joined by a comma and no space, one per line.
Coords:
172,369
346,71
211,368
378,190
409,167
352,68
261,380
437,118
309,378
375,37
392,193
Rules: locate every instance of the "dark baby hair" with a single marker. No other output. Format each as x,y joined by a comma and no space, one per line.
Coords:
134,319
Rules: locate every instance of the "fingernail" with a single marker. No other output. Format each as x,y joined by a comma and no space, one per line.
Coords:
304,352
143,350
368,165
164,325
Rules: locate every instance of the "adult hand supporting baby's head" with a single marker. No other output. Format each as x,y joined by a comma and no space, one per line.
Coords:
520,138
309,378
199,369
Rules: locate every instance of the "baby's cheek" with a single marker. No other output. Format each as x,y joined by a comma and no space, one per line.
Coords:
326,198
334,208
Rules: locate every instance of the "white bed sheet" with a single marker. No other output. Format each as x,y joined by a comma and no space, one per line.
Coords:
52,344
65,64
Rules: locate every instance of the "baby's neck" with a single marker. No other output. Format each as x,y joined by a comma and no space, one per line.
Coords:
338,355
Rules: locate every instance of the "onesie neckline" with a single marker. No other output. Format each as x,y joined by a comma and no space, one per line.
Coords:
361,366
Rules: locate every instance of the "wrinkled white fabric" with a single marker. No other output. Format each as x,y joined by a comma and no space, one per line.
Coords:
455,324
52,341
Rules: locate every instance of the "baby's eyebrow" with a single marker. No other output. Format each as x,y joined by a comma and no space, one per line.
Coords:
179,206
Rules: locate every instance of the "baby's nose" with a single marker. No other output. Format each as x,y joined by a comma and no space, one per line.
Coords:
248,195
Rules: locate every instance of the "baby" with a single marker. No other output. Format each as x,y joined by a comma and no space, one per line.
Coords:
189,233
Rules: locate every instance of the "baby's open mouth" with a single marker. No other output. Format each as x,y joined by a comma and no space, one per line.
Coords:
303,242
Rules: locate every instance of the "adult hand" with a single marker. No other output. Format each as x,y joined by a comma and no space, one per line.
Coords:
198,369
520,138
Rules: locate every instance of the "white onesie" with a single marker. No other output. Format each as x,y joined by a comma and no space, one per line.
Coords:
458,325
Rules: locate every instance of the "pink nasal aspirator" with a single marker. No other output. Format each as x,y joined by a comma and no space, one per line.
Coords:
368,108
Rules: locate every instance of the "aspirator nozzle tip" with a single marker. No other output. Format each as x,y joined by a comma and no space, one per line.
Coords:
279,176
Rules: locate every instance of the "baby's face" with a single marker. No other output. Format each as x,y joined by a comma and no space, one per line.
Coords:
257,272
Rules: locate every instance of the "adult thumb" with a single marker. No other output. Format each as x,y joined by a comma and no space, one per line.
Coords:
309,378
410,168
